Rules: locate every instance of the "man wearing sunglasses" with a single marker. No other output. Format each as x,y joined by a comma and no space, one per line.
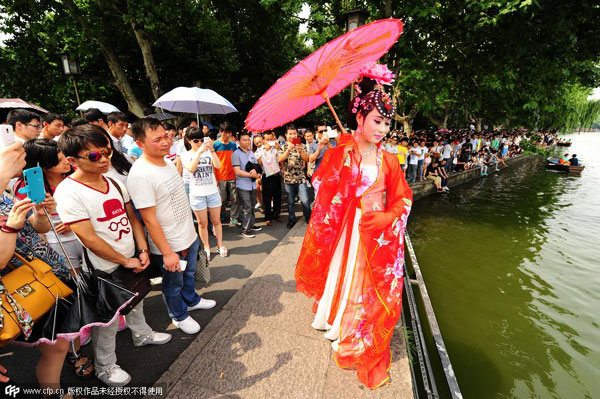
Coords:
100,213
26,124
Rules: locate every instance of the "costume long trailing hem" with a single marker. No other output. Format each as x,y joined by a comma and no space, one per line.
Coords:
372,306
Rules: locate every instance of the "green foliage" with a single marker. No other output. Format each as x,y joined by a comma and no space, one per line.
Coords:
236,47
529,145
505,63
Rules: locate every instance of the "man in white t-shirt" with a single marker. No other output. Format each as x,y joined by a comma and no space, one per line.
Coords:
424,150
117,129
26,124
99,212
414,154
159,194
268,157
447,155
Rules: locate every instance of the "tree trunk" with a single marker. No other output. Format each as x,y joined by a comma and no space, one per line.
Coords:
440,123
407,120
478,126
133,103
146,46
388,8
407,127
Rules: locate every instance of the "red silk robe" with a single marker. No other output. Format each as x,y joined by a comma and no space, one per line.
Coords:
375,299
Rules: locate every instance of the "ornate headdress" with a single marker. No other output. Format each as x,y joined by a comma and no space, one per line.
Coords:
376,97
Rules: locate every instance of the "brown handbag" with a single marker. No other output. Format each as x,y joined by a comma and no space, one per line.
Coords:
27,293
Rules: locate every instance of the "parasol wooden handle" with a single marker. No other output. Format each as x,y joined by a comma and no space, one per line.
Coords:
326,97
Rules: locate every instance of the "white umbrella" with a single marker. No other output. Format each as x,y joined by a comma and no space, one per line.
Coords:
105,108
195,101
18,103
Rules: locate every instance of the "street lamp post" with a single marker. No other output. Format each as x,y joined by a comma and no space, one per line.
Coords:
72,69
354,19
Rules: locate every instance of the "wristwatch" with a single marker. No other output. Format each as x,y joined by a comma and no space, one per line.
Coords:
143,250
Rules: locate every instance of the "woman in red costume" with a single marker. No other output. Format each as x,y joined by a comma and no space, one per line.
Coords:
352,257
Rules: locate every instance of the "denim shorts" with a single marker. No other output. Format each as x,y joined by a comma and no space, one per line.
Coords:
201,202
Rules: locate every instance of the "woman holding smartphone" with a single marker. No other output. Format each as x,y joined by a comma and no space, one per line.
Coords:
55,167
22,225
44,152
205,199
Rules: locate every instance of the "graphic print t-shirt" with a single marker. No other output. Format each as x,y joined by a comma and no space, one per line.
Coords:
202,181
77,202
162,187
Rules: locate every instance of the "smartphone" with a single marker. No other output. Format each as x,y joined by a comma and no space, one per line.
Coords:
272,143
34,185
7,136
332,134
206,139
297,141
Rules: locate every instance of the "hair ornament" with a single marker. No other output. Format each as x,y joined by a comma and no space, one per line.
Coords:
378,72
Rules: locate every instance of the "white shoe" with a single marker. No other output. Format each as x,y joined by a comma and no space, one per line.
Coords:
207,250
156,281
115,376
223,252
154,338
335,345
188,326
203,304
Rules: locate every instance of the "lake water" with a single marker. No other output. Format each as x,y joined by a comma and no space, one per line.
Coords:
512,265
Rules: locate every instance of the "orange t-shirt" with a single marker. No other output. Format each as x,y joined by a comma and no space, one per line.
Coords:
224,151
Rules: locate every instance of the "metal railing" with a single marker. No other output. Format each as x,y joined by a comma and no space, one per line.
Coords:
419,334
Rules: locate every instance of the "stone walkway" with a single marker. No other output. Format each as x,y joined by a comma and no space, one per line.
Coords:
261,345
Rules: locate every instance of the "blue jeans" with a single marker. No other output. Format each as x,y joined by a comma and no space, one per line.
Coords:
301,190
420,170
178,287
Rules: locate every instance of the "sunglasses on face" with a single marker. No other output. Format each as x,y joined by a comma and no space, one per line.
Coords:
95,156
196,141
321,130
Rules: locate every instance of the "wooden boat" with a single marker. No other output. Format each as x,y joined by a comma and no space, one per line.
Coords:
552,164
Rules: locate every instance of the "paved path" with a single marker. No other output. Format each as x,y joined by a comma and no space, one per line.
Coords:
147,364
261,345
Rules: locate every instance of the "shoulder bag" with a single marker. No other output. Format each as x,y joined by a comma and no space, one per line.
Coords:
27,293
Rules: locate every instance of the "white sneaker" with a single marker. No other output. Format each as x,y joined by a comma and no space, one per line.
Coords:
203,304
188,326
156,281
115,376
154,338
223,252
207,250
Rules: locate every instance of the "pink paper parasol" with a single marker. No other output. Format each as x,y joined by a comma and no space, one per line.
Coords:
322,75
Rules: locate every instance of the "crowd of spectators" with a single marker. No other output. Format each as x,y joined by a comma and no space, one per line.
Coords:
434,155
174,189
